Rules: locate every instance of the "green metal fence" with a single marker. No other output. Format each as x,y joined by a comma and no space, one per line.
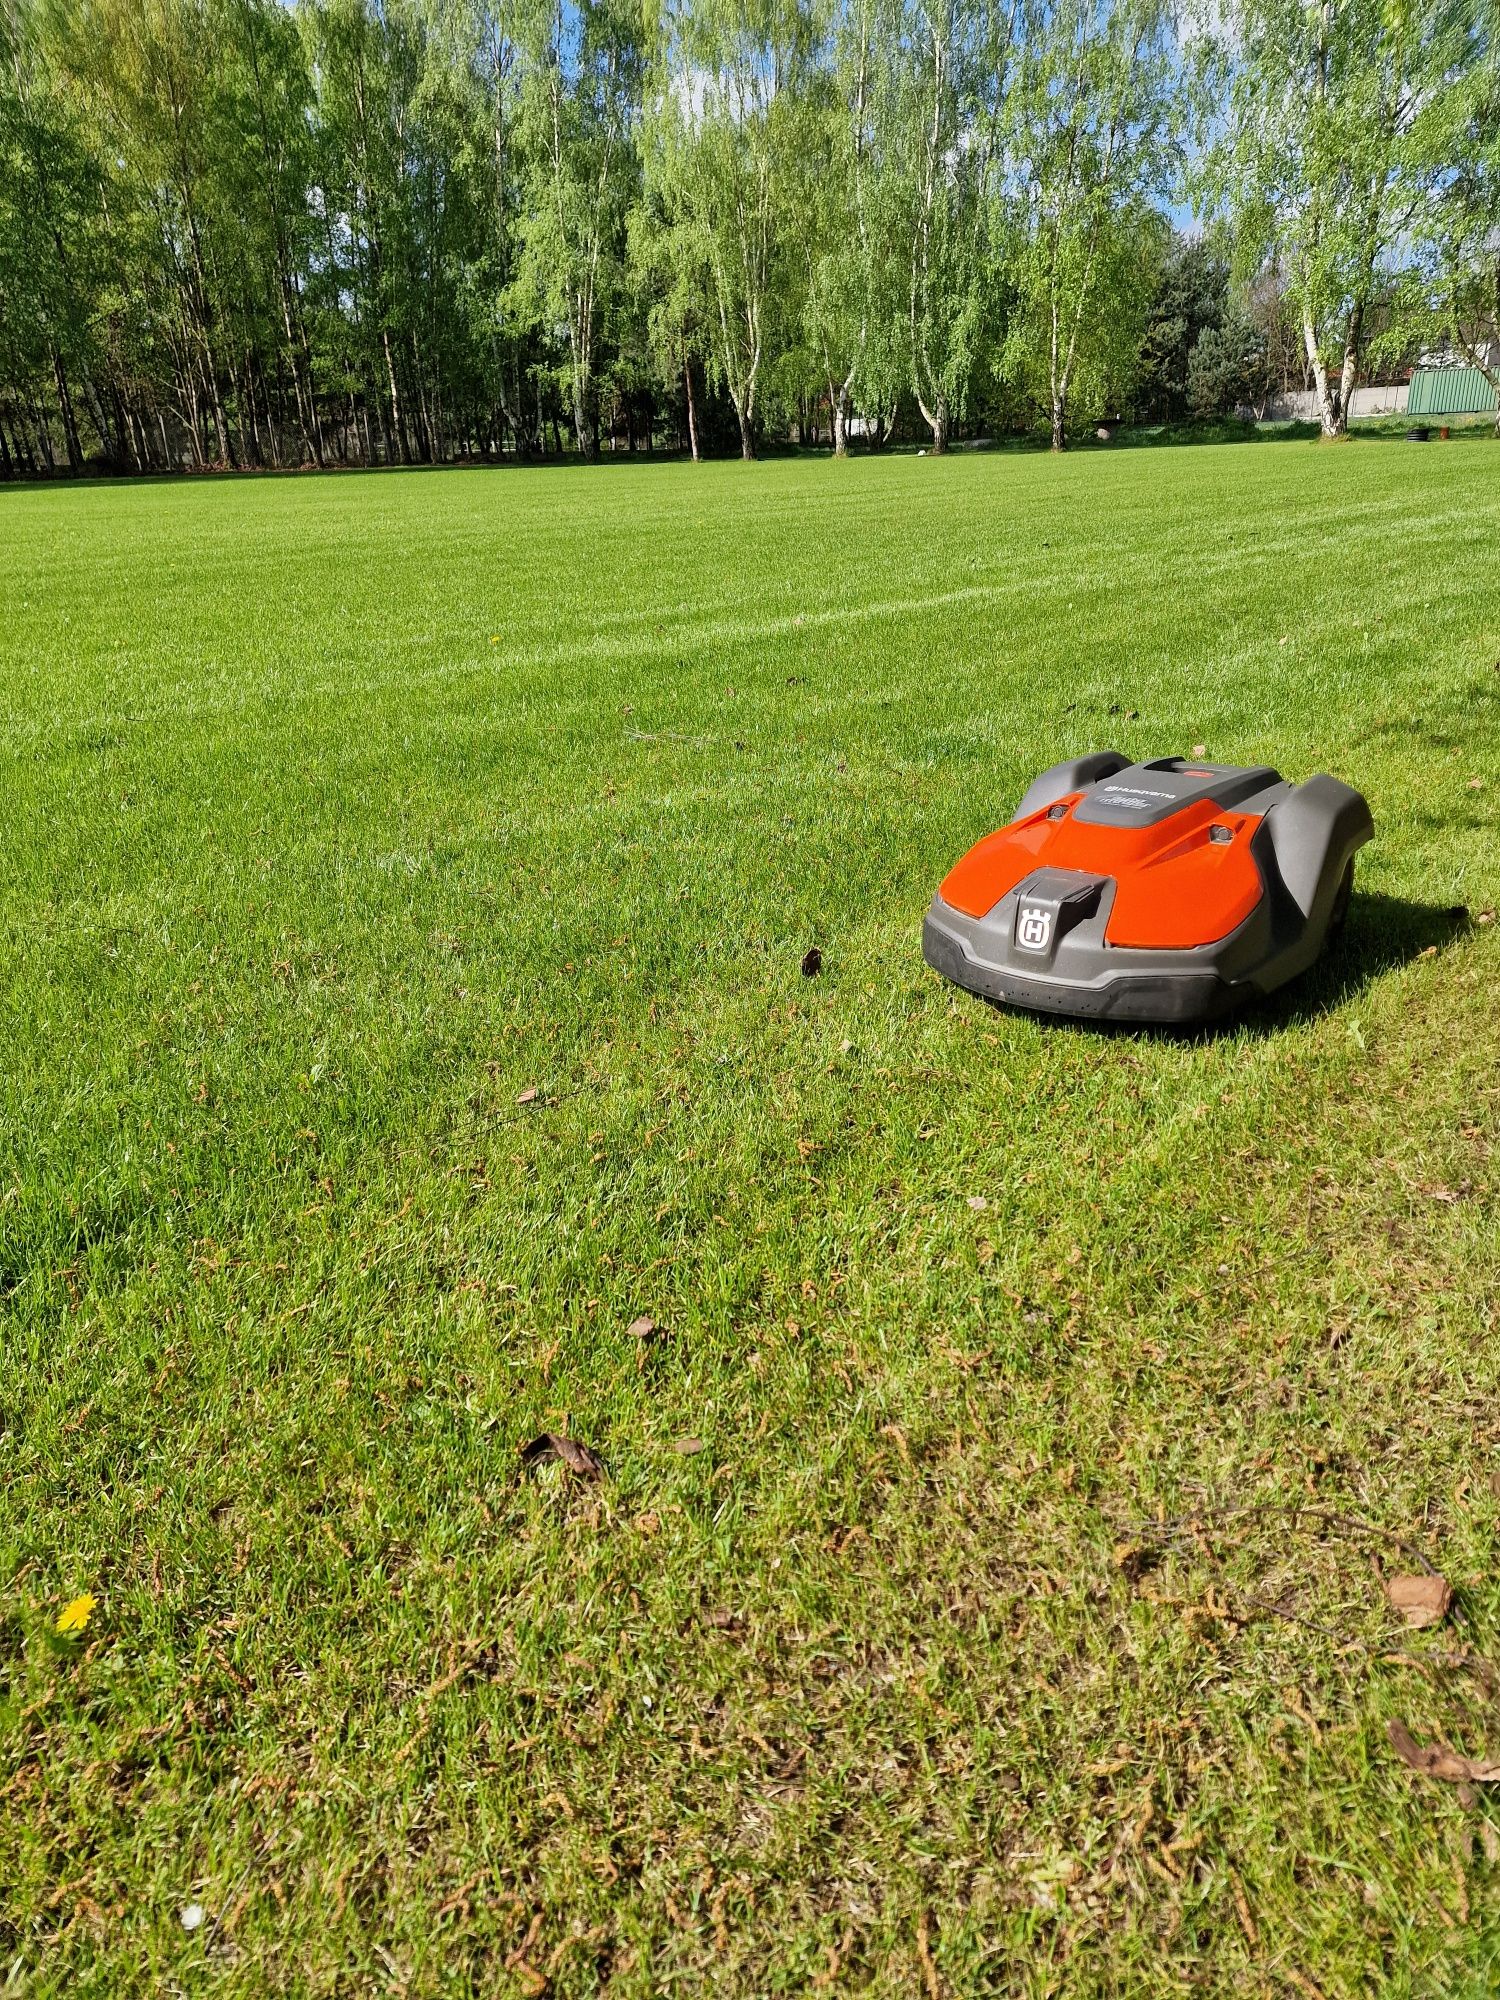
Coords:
1449,392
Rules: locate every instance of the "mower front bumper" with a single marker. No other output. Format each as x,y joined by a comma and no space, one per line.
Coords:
1082,976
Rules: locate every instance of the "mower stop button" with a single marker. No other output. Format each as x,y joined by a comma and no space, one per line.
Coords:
1049,903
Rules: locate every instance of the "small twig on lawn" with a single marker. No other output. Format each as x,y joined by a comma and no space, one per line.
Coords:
1189,1523
459,1900
924,1953
1280,1611
1464,1662
430,1695
1302,1983
1242,1910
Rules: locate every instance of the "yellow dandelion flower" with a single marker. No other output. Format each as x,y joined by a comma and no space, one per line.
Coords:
75,1615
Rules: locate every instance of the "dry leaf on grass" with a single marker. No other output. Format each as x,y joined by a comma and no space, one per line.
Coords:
529,1095
642,1328
575,1456
1436,1760
1421,1600
687,1447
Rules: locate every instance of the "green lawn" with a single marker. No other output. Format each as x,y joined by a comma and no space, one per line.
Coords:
342,814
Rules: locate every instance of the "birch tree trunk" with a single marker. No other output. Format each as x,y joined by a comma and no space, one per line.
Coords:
1333,399
398,429
692,413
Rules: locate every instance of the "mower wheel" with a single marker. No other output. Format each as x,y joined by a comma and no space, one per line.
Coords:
1338,915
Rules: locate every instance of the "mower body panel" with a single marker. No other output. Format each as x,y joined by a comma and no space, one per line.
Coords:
1169,891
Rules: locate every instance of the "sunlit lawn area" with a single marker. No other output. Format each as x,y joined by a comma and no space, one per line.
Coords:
404,887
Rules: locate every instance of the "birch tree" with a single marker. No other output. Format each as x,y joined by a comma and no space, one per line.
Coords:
48,204
147,74
580,106
1089,149
718,151
940,95
1321,164
1448,298
678,303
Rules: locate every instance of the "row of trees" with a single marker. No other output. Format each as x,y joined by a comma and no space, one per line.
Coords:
404,230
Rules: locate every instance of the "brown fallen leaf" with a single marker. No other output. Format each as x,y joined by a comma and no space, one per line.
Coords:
1436,1760
1199,750
688,1447
1421,1600
1485,917
529,1095
812,963
642,1328
722,1620
575,1456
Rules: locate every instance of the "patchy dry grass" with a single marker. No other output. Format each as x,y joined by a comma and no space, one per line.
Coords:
342,814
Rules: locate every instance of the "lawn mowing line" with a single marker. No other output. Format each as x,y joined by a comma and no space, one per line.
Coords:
600,647
632,646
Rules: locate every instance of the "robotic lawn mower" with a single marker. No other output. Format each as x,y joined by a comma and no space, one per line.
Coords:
1171,891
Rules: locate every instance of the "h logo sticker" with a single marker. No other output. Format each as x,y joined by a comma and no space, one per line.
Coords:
1034,927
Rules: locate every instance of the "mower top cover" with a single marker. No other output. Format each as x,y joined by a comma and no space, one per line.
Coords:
1170,891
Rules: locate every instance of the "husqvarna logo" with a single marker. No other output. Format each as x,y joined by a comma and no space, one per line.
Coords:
1034,927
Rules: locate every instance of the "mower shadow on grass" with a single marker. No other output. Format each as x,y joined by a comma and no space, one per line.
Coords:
1380,933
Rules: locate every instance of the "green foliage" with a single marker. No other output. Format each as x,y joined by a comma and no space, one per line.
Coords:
724,119
940,105
1227,366
1093,137
234,232
1328,153
1447,295
578,110
1192,293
